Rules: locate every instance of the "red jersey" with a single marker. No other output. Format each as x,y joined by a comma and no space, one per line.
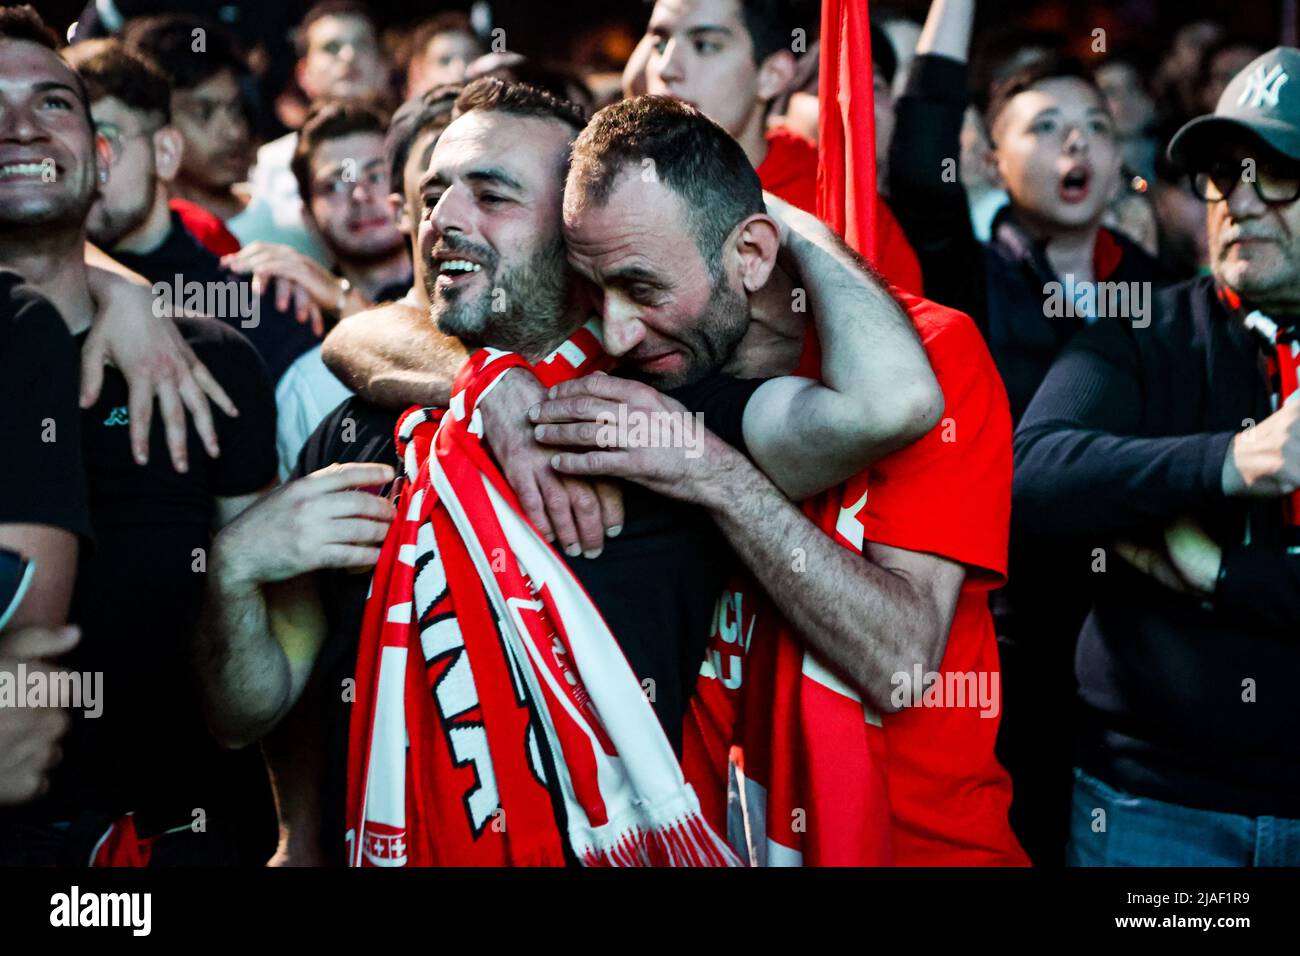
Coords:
789,171
208,229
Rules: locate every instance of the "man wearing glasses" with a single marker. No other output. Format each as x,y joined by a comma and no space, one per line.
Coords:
1177,448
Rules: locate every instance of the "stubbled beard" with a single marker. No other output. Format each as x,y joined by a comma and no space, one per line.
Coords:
710,338
521,307
106,229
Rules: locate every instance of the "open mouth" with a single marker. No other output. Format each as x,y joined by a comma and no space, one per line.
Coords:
1074,184
454,272
23,170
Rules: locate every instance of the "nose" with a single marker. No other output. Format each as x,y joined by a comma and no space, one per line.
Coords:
452,211
17,124
347,53
621,326
1243,201
1076,142
668,67
233,127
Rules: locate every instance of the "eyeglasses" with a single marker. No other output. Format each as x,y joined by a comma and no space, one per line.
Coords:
1275,185
117,138
339,185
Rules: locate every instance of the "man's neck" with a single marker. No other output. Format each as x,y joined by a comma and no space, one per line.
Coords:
752,137
374,275
52,260
222,203
150,234
534,352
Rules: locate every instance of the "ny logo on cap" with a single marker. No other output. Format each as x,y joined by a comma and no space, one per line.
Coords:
1263,87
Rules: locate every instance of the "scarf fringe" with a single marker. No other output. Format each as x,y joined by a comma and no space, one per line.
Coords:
688,841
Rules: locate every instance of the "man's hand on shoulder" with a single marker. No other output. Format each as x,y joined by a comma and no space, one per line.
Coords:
633,432
1264,460
573,513
156,362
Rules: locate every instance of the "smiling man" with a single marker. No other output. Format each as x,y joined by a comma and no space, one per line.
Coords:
1175,450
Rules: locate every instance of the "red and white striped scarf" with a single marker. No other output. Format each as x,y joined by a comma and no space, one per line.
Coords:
480,653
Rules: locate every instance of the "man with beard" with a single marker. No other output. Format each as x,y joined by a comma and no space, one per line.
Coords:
281,604
907,613
138,591
130,103
310,390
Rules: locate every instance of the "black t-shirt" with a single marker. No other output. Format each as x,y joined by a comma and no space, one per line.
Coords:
42,481
277,336
656,584
138,595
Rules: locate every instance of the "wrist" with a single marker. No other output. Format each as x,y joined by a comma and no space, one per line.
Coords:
719,476
1231,478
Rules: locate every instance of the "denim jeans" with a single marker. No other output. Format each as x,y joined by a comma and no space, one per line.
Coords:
1142,831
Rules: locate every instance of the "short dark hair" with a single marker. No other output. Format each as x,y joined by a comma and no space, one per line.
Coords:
450,21
430,110
330,8
333,119
168,40
691,154
24,23
109,67
518,99
1027,77
771,24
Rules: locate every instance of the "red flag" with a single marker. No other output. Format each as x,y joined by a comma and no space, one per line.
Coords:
846,149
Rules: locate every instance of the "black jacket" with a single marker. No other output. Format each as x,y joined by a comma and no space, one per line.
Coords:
999,284
1185,700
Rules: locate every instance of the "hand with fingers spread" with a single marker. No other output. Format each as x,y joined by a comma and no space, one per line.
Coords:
332,518
575,514
156,362
300,282
29,736
665,448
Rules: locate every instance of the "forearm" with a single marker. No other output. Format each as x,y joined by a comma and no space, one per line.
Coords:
882,392
864,621
244,672
396,361
1112,483
926,190
947,29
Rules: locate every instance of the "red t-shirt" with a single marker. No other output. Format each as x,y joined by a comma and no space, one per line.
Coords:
207,228
950,494
789,171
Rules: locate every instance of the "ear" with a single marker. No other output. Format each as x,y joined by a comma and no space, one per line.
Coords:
168,147
755,243
775,75
103,160
401,215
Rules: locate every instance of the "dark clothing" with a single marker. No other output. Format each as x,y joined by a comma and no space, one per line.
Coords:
656,584
278,337
43,481
1012,292
137,600
1000,284
1184,701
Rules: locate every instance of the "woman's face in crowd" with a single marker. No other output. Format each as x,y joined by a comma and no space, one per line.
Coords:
1056,154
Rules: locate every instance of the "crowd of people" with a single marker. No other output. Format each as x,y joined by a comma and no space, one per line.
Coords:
425,454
